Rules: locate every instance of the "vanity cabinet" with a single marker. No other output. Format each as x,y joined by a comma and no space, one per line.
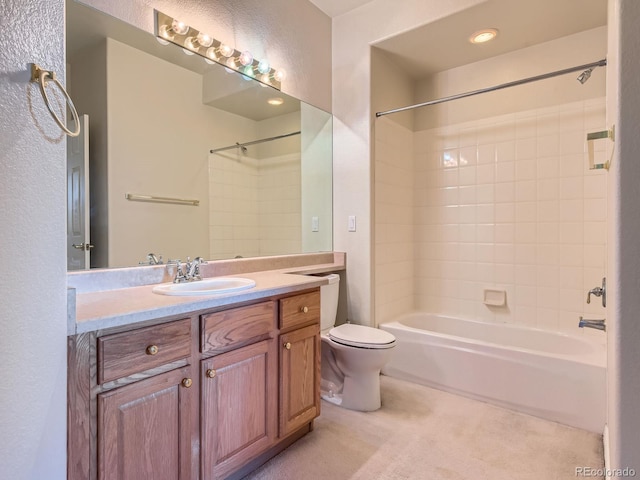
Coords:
144,429
299,361
211,396
239,407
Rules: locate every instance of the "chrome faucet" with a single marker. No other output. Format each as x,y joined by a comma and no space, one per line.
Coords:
597,324
599,292
193,268
190,272
154,259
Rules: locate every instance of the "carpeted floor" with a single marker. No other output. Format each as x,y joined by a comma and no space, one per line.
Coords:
422,433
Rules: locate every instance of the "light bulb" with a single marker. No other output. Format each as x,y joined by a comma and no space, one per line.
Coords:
204,40
275,101
231,63
166,33
179,27
225,50
280,75
211,53
162,41
263,66
187,52
247,72
246,58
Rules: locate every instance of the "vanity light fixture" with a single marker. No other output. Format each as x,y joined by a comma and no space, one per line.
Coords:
192,41
275,101
485,35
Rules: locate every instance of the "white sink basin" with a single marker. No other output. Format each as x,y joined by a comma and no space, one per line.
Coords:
208,286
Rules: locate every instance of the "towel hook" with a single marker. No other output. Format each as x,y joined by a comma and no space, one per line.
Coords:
41,77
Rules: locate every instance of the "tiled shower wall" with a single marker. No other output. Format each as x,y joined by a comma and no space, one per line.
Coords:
505,203
394,223
255,206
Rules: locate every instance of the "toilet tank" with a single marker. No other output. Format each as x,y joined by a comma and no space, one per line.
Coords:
329,301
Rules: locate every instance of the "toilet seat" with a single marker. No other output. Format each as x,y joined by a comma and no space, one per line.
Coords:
359,336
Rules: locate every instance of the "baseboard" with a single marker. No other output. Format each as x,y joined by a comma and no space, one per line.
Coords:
605,443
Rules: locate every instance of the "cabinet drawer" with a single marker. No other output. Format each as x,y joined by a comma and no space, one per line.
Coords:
300,310
131,352
222,330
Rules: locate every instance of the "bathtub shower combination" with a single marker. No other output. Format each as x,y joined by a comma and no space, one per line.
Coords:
550,375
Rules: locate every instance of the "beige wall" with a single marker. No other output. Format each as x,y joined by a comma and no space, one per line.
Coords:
33,254
624,303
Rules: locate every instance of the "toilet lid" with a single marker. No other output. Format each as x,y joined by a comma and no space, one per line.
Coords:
361,336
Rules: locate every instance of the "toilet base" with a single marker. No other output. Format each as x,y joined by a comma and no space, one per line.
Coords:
362,393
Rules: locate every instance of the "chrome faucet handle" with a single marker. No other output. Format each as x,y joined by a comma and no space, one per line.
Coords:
599,292
193,268
180,275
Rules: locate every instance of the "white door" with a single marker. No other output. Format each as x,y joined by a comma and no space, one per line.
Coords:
78,241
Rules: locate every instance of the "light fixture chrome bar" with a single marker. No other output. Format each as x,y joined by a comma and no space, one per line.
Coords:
600,63
150,198
262,140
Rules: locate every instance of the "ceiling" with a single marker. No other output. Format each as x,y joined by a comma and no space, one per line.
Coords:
443,44
333,8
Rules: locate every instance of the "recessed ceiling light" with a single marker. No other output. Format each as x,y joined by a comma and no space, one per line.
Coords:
482,36
275,101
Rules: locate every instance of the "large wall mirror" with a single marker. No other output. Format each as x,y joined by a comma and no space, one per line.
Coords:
153,116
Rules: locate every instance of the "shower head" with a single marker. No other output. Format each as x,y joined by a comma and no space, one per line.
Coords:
584,76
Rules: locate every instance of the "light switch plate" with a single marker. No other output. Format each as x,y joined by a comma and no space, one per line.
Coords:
352,223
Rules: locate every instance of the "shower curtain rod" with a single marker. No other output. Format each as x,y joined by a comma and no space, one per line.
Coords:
600,63
262,140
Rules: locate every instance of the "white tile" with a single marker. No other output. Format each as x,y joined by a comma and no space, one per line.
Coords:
526,232
595,210
505,213
485,213
526,169
548,211
595,233
486,154
506,151
485,193
526,296
468,156
548,232
505,172
467,195
526,191
573,165
548,167
547,254
505,233
504,253
467,175
548,189
485,174
571,233
526,254
595,186
548,145
526,212
572,188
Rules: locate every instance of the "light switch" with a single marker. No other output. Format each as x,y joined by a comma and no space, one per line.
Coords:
352,223
315,224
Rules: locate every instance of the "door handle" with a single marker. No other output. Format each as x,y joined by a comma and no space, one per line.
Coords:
83,246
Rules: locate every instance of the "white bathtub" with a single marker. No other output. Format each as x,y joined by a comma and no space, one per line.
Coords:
550,375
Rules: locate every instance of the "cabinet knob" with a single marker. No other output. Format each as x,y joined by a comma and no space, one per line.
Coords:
304,309
211,373
187,382
152,349
287,345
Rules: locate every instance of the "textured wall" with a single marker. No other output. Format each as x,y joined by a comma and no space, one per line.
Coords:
33,254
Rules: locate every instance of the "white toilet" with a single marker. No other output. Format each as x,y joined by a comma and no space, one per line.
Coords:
352,356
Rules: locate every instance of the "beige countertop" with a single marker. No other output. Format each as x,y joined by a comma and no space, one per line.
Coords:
116,307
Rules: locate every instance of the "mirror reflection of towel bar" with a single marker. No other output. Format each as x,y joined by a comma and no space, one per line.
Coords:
150,198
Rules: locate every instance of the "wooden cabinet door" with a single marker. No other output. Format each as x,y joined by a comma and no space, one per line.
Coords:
144,429
299,378
238,407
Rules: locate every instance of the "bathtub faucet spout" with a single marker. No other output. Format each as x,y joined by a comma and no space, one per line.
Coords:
597,324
